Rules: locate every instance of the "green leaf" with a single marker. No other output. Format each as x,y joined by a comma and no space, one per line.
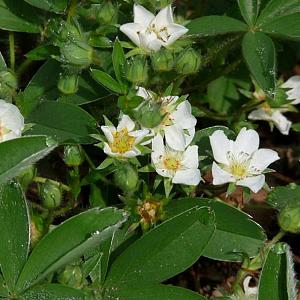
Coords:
282,196
284,27
152,258
106,80
41,87
69,241
17,154
53,292
57,6
65,123
249,10
119,61
42,52
152,292
236,233
277,280
18,16
214,25
260,55
14,223
276,9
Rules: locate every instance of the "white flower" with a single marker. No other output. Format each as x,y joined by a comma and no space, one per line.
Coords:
122,141
178,125
273,115
240,161
293,84
151,32
180,166
11,121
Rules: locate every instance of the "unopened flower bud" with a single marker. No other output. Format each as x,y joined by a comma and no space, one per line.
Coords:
137,70
71,276
26,177
148,114
73,155
289,219
68,83
51,194
107,13
8,84
162,60
126,178
188,62
77,53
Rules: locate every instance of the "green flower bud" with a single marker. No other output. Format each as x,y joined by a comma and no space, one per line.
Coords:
68,83
51,194
71,276
8,84
188,62
73,155
126,178
162,60
107,13
289,219
137,70
77,53
26,177
148,114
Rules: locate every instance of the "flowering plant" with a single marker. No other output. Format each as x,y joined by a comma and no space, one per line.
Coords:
134,163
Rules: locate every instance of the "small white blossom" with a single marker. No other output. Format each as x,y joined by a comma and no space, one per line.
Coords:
273,115
123,140
240,161
151,32
178,125
11,121
180,166
293,84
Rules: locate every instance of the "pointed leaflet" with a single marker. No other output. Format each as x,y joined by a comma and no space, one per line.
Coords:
152,258
53,292
17,154
249,10
235,232
214,25
106,80
119,61
277,279
14,239
152,292
69,241
260,55
65,123
57,6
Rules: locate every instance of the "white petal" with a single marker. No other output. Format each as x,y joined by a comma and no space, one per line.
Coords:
259,114
108,132
132,153
142,15
262,158
188,177
149,41
189,135
10,136
254,183
142,92
220,176
163,172
132,31
108,151
127,123
293,84
11,118
164,17
183,117
247,289
139,134
220,145
247,141
175,137
175,31
281,122
158,149
190,157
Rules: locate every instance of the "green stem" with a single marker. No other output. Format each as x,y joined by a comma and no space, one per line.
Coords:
23,67
43,180
12,58
88,159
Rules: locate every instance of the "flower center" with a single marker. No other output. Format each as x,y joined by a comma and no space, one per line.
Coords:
123,142
238,170
239,165
161,33
171,163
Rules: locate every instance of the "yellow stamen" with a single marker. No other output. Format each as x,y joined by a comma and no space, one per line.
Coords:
122,142
171,163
